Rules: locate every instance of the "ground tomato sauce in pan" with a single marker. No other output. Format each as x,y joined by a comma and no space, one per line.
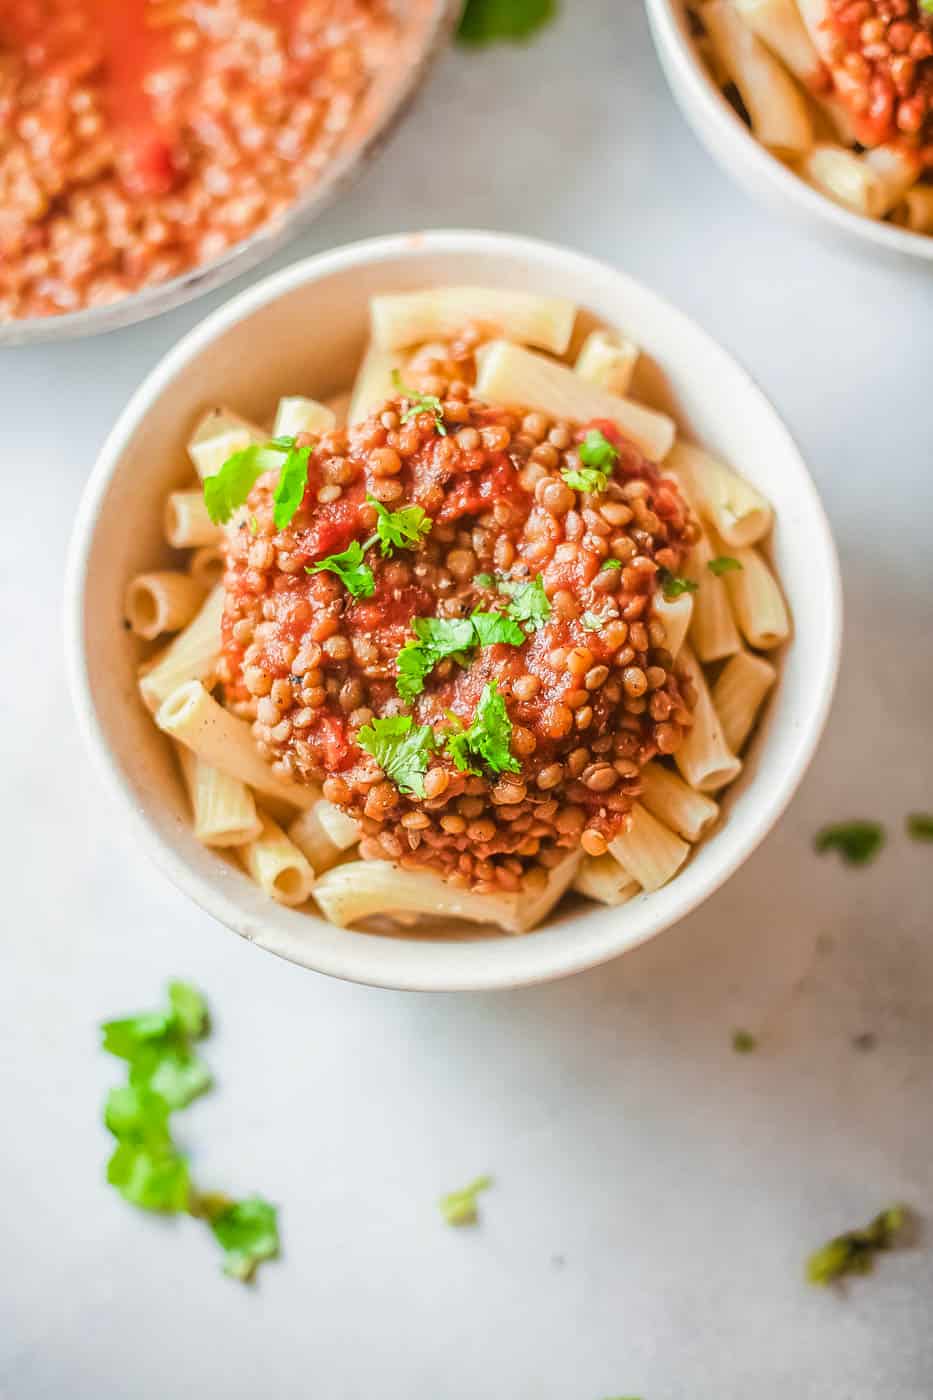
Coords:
139,138
591,693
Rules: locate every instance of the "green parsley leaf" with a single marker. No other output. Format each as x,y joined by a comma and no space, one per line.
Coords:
130,1037
493,627
435,639
349,567
589,479
399,529
484,581
420,403
743,1042
485,21
673,587
488,737
459,1207
190,1009
529,602
927,5
858,842
175,1075
724,564
401,748
247,1231
597,451
292,483
157,1047
854,1252
610,564
920,824
593,622
151,1180
230,487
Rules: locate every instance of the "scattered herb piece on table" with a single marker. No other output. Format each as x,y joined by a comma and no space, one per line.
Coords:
485,21
459,1207
920,824
858,842
854,1252
743,1042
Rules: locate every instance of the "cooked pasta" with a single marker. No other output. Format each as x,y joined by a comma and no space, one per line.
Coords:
446,643
842,93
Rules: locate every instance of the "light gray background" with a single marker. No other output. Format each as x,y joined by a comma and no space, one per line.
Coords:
656,1194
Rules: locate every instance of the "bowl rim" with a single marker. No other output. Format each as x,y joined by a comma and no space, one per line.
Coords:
269,237
482,972
668,27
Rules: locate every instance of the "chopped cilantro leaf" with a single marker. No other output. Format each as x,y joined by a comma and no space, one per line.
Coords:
420,403
858,842
585,478
459,1207
593,622
189,1008
246,1230
528,600
854,1252
484,581
610,564
724,564
485,21
487,738
398,529
152,1180
401,748
672,586
356,576
435,639
743,1042
230,487
920,824
177,1076
493,627
291,486
597,451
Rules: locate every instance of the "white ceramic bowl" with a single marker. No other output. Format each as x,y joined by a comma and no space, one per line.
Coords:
302,331
730,143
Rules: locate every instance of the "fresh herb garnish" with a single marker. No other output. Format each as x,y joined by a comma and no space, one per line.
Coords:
420,403
920,824
854,1252
230,487
349,567
459,1207
398,529
593,622
437,638
673,586
488,737
292,483
589,479
484,581
597,451
401,748
858,842
146,1166
528,601
724,564
485,21
743,1042
246,1230
610,564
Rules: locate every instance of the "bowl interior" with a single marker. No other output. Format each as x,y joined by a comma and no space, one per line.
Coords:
730,142
303,331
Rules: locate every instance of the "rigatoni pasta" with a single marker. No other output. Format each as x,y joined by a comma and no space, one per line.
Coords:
468,644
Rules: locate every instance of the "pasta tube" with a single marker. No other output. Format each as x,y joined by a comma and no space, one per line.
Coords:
603,879
649,852
186,521
161,602
359,889
916,211
704,758
738,693
739,513
777,108
678,806
206,566
217,436
607,361
323,833
440,313
778,25
674,614
373,384
510,375
757,601
192,656
298,415
712,627
194,718
224,808
277,865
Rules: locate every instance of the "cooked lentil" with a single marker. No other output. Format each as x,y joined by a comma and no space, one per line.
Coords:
580,729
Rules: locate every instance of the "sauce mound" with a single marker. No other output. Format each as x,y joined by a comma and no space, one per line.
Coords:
590,693
882,52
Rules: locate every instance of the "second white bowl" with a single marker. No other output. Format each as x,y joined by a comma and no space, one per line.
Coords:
302,331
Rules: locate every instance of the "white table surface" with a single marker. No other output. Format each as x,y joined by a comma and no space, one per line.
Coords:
656,1194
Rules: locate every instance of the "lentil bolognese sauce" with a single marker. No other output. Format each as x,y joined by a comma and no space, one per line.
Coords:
140,138
445,622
